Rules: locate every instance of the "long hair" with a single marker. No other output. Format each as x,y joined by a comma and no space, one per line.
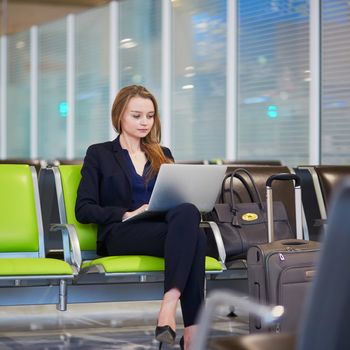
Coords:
150,144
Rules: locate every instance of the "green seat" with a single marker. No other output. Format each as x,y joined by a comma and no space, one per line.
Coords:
22,254
82,251
30,266
141,263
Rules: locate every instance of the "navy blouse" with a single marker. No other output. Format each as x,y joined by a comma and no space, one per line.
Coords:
141,187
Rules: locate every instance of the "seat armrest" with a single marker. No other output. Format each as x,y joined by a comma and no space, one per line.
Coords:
218,240
268,314
71,246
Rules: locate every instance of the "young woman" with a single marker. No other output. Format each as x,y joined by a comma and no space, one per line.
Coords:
117,182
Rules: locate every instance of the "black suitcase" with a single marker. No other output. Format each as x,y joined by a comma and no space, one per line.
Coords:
280,272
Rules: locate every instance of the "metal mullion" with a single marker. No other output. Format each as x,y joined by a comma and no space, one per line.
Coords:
113,57
34,92
70,85
315,83
166,71
231,81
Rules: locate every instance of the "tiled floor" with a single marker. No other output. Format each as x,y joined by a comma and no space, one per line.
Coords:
128,326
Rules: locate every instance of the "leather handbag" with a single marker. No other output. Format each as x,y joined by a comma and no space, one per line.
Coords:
243,225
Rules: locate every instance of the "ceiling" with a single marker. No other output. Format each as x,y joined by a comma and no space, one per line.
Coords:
20,15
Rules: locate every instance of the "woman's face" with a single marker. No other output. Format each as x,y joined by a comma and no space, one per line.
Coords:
138,117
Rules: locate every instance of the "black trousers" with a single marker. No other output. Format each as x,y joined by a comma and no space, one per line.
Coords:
180,241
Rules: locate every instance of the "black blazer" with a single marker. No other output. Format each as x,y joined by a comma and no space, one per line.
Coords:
104,193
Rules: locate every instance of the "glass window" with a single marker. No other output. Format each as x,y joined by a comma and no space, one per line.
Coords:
273,86
18,96
199,80
52,99
92,79
139,44
335,85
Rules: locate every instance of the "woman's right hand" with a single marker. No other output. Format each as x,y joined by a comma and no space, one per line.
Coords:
128,214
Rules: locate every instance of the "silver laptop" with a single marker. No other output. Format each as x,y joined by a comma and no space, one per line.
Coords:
198,184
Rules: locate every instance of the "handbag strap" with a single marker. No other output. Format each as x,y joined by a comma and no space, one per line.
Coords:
243,181
256,196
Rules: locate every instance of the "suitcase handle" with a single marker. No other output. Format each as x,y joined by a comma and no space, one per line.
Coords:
298,203
298,242
284,177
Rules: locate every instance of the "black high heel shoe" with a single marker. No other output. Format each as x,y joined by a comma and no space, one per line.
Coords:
182,343
165,334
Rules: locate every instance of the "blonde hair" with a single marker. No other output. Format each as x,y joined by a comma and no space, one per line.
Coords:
151,143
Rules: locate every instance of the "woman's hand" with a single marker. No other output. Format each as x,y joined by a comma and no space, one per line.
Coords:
128,214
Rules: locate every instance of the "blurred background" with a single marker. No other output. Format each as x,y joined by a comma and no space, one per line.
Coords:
235,79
